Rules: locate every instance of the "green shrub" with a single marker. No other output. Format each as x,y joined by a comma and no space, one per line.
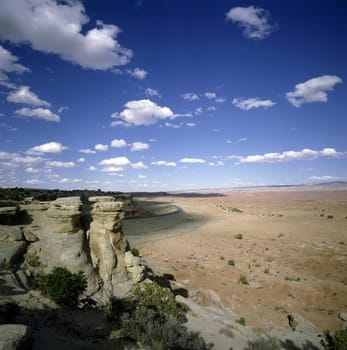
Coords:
330,216
241,321
338,341
135,251
267,271
151,316
231,262
243,279
222,257
238,236
63,286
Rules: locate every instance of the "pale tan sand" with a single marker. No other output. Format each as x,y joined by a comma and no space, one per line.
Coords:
283,231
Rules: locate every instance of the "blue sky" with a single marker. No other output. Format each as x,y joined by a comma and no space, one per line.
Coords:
163,95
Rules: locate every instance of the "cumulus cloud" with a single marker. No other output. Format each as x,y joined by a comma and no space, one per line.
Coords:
141,176
81,160
139,146
192,160
58,164
66,180
313,90
27,160
242,139
32,170
56,27
25,96
152,92
288,156
87,151
190,125
8,62
138,73
32,181
92,168
210,95
117,162
142,112
100,147
251,103
164,163
50,147
118,143
139,165
38,113
253,21
190,96
62,109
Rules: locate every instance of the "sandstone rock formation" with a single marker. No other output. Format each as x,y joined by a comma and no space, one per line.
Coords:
52,234
14,337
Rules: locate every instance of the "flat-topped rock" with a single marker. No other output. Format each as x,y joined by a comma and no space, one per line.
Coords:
94,199
108,206
11,233
8,210
11,252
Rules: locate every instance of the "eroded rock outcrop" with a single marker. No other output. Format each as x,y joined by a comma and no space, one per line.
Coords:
108,246
55,236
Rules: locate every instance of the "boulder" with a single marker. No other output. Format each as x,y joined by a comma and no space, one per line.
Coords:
11,252
11,233
343,316
14,337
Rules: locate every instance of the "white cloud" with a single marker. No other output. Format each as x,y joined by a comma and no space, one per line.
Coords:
192,160
220,99
141,176
32,181
138,73
191,125
139,165
211,108
313,90
38,113
118,143
27,160
152,92
190,96
198,111
164,163
81,160
32,170
117,162
62,109
324,177
172,125
87,151
58,164
142,112
139,146
112,169
50,147
25,96
66,180
251,103
8,62
100,147
242,139
92,168
210,95
56,27
253,21
216,164
288,156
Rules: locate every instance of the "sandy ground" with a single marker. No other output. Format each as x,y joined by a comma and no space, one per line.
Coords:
292,254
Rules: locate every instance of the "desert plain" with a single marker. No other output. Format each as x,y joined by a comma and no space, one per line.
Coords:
261,253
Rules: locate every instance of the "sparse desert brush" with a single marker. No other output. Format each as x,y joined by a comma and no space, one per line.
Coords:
222,257
135,251
243,279
231,262
337,341
267,271
241,321
264,343
330,216
238,236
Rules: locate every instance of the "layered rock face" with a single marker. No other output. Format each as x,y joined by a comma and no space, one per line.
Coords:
108,245
55,237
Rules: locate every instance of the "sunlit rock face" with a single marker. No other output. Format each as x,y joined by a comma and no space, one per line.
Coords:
80,236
